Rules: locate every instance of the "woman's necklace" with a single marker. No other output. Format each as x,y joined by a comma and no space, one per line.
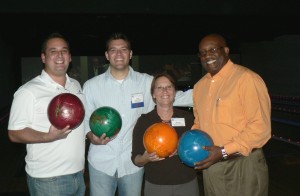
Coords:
166,121
167,118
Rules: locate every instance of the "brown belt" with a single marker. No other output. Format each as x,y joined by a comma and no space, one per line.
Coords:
236,155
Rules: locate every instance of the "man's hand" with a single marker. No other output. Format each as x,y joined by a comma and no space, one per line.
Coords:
57,134
103,140
215,155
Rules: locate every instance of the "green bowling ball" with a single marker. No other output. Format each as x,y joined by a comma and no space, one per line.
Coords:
105,120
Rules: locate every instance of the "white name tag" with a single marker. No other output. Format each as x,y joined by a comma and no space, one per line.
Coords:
137,100
178,122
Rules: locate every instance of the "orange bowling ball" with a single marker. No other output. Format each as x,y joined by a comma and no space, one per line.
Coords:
161,138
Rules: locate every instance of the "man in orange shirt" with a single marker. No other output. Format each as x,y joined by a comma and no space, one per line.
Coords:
231,104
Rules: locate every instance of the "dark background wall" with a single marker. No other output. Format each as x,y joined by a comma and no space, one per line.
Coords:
9,73
277,61
262,33
155,6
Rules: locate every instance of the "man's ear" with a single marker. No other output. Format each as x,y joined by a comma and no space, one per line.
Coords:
43,57
227,51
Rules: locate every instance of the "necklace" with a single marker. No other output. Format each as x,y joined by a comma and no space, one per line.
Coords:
165,116
166,121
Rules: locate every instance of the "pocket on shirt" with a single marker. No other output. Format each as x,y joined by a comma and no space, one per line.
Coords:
222,112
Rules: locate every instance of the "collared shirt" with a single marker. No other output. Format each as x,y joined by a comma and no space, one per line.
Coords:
234,108
29,109
105,90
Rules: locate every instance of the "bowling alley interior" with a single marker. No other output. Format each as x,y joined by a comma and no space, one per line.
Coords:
162,33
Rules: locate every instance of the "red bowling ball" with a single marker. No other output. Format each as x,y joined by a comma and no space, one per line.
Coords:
66,109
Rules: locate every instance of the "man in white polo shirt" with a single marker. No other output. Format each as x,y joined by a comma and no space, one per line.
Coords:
55,157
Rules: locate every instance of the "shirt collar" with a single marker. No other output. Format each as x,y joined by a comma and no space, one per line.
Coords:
45,76
129,76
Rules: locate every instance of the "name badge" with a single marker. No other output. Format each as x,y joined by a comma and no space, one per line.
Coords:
137,100
178,122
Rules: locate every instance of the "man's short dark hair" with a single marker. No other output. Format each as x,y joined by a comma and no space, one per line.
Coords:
116,36
52,36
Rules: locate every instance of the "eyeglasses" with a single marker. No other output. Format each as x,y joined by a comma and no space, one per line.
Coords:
203,53
162,88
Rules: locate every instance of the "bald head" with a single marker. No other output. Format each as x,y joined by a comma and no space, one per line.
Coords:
215,38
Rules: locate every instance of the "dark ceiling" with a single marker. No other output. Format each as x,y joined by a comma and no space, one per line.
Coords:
166,27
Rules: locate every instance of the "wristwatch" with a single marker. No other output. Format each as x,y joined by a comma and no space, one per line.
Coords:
224,153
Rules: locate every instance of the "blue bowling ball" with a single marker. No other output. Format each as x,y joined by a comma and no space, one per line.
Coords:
190,146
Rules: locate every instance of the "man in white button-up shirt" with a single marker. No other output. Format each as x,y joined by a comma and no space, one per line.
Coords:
55,157
127,91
